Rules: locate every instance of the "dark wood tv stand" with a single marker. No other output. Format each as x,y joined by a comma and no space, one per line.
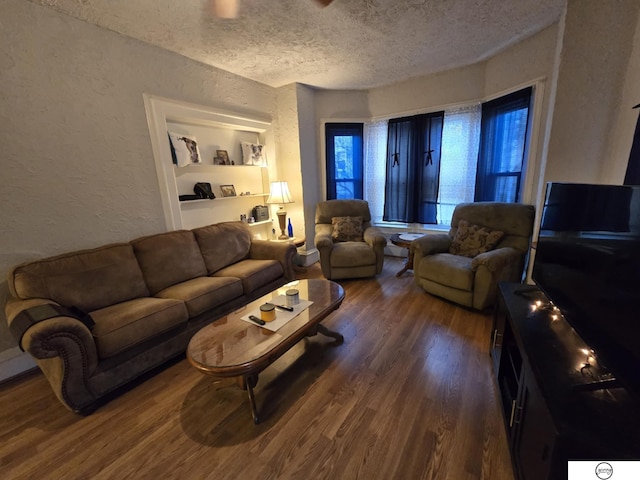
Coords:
554,407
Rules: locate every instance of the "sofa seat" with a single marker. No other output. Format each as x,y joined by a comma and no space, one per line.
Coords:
124,325
203,293
252,273
447,269
352,254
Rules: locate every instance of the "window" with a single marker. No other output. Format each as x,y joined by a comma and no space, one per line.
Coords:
502,151
344,160
413,168
483,157
460,140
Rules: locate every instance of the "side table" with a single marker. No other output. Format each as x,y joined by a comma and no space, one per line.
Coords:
404,240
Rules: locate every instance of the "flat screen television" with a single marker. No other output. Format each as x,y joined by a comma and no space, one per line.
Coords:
587,262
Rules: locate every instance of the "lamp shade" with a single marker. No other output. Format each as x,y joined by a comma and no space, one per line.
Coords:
279,193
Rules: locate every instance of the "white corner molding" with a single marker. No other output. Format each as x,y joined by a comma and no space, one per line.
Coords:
14,362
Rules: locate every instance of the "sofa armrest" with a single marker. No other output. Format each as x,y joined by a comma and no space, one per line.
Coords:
323,239
63,348
375,238
284,252
324,243
496,261
429,244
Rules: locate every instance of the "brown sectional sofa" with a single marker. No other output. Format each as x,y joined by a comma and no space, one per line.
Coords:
146,297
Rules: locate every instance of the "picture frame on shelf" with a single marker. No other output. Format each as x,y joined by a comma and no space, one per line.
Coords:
218,161
228,190
224,155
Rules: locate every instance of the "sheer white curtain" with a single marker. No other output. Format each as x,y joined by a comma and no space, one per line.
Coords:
460,140
375,155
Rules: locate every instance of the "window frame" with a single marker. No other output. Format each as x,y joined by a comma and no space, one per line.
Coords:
332,130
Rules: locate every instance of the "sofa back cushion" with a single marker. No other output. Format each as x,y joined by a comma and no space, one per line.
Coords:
329,209
223,244
87,279
169,258
514,219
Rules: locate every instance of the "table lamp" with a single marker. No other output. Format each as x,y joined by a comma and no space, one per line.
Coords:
280,195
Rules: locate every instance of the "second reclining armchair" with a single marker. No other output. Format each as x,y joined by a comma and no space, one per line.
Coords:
349,246
488,242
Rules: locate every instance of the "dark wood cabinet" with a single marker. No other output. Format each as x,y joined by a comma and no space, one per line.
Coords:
544,372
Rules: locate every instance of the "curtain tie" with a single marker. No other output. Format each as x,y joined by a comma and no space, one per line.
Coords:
428,159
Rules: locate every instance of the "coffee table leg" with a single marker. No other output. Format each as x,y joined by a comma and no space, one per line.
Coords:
330,333
250,382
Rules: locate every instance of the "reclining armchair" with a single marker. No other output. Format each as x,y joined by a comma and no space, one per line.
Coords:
349,246
488,243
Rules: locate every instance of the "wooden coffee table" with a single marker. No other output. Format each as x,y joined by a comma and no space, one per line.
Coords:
231,347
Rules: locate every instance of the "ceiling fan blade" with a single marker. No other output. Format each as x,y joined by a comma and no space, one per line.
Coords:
224,8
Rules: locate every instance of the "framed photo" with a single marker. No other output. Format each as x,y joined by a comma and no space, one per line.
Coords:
228,190
224,156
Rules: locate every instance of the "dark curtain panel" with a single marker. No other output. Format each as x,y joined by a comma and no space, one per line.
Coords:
503,134
413,168
632,177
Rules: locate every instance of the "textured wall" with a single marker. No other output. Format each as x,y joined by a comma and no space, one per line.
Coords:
432,91
596,48
622,137
77,165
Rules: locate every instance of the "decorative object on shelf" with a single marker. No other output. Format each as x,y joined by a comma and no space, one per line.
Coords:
253,154
218,161
223,157
228,190
203,190
186,198
260,213
184,149
280,195
290,229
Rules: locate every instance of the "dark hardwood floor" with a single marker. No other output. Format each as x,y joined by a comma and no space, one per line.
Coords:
409,395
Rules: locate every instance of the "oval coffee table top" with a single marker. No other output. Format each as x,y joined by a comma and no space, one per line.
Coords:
231,347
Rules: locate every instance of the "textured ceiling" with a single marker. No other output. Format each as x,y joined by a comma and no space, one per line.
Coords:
351,44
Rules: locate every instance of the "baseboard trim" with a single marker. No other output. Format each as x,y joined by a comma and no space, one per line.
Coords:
307,257
14,362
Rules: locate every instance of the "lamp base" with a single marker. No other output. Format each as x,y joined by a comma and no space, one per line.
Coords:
282,221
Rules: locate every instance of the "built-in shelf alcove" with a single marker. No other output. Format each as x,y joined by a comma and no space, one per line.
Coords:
214,130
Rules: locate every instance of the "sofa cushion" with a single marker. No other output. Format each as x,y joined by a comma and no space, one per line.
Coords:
203,293
352,254
223,244
471,240
347,229
447,269
123,325
253,273
169,258
87,279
